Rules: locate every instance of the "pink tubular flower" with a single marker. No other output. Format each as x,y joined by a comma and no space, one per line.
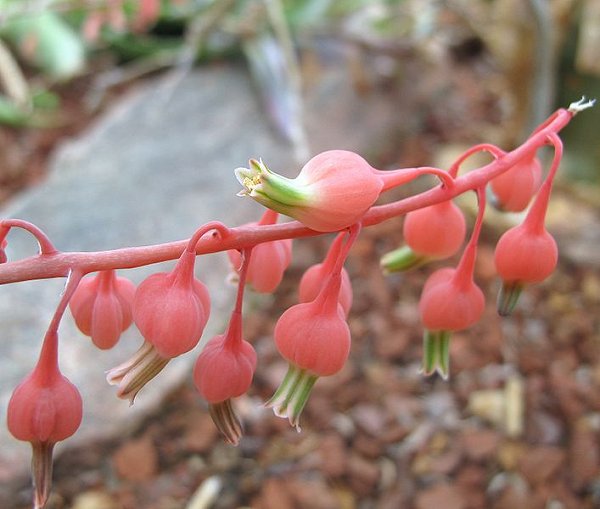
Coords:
269,260
101,307
315,339
332,191
451,301
44,409
171,310
223,371
527,253
430,233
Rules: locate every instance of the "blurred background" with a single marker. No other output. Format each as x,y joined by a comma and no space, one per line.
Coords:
405,83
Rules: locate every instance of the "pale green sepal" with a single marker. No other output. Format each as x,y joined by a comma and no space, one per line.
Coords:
508,297
269,188
436,353
290,398
402,259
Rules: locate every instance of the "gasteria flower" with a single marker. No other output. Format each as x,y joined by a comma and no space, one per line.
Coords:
269,260
527,253
223,371
315,339
44,409
101,307
512,191
450,301
431,233
523,256
332,191
171,310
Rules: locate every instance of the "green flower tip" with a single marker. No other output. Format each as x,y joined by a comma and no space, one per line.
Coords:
436,353
291,396
251,178
508,297
401,260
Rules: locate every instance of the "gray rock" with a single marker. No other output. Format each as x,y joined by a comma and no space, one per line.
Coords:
151,171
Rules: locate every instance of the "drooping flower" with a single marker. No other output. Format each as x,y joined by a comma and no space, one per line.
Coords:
527,253
171,310
523,256
101,307
223,371
315,340
44,409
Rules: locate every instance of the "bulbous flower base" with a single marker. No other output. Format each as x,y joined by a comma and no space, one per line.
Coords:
291,396
226,421
436,353
508,297
136,372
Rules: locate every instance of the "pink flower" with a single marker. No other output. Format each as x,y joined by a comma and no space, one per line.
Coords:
44,409
332,191
101,306
223,371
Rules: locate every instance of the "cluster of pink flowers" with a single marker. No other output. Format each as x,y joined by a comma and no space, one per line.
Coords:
335,192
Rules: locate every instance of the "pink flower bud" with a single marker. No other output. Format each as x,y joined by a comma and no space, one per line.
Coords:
268,261
226,365
223,371
314,337
512,191
450,301
447,303
523,255
332,191
171,309
101,307
45,408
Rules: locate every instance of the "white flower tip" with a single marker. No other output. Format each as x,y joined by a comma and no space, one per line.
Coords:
582,104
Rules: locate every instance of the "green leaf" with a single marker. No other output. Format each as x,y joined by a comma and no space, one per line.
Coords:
48,43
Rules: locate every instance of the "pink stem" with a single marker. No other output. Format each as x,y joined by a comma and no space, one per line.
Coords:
234,329
537,213
487,147
46,247
466,266
47,366
395,178
59,264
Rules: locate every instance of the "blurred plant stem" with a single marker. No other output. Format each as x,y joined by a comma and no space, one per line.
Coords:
282,32
543,81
